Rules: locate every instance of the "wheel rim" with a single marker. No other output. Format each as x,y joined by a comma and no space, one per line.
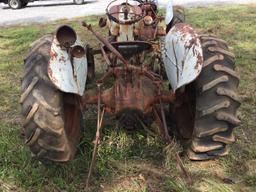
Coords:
78,1
14,4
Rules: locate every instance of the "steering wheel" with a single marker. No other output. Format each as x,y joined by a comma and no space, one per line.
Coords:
124,13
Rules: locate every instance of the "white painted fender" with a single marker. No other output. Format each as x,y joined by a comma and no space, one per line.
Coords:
182,55
169,12
67,77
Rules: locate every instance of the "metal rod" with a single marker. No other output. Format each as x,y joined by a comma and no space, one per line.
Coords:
105,56
183,169
97,137
106,43
167,137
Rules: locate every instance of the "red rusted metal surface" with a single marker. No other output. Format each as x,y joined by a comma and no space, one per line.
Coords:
146,32
106,43
134,88
137,89
192,43
72,111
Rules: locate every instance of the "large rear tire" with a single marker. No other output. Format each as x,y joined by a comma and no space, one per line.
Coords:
207,115
178,17
51,117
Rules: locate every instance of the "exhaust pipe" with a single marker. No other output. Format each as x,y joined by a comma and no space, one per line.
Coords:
66,36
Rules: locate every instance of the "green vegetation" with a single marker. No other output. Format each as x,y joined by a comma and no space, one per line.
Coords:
131,162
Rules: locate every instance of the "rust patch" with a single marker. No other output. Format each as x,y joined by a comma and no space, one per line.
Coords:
62,59
184,28
53,55
199,62
50,74
194,42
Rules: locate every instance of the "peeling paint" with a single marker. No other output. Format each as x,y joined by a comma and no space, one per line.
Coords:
67,73
183,55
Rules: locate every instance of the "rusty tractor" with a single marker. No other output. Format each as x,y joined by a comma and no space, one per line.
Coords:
161,69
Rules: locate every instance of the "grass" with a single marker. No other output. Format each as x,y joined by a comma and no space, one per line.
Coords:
131,162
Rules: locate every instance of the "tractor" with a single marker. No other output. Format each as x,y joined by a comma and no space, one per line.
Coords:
161,70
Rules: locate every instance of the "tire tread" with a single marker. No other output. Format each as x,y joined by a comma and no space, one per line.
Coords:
44,121
216,102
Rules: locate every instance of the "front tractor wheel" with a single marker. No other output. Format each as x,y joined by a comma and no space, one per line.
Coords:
207,115
51,117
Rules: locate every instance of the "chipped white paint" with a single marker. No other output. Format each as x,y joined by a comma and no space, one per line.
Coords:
67,74
182,55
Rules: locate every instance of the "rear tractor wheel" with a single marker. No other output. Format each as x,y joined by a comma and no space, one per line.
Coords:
207,115
178,17
51,117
